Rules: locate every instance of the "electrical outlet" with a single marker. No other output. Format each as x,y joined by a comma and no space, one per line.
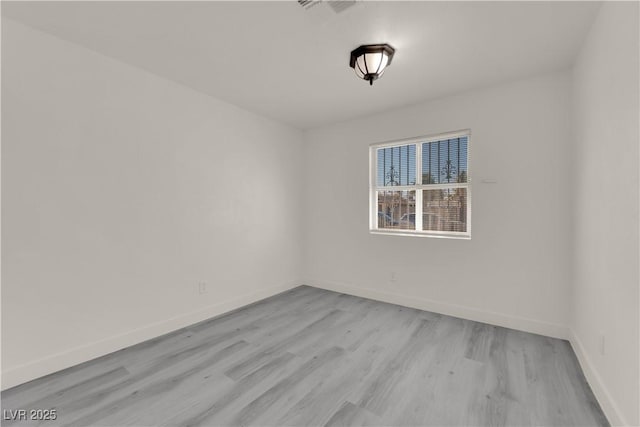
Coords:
202,288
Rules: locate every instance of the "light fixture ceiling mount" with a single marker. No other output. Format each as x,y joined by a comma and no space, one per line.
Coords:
370,60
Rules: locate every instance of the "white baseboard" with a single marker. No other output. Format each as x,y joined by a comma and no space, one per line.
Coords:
55,362
498,319
607,403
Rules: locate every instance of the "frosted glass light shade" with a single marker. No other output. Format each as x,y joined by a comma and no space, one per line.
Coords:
370,61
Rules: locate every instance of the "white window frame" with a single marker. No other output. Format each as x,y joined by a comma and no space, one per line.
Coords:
418,187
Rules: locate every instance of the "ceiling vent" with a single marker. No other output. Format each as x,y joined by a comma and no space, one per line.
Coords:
337,6
341,5
308,4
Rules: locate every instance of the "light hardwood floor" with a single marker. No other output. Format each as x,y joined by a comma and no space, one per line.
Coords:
310,357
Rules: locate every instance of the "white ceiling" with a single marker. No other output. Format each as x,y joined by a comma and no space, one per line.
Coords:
292,65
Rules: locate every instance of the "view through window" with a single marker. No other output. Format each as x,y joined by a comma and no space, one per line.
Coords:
421,186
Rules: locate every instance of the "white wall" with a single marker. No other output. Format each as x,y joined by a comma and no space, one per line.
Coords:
515,270
605,291
121,191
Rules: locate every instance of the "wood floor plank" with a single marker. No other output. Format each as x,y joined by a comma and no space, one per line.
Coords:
352,415
75,391
376,397
254,412
317,405
165,384
273,345
240,388
311,357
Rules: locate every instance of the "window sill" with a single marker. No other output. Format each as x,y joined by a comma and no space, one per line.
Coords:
409,233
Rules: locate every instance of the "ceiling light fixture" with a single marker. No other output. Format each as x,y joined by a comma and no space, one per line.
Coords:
370,60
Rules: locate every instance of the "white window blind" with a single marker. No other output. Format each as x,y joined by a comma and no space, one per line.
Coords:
422,186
